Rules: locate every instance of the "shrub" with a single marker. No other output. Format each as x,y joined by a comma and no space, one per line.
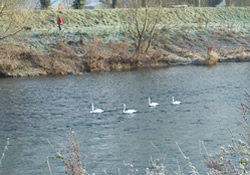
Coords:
45,4
212,57
79,4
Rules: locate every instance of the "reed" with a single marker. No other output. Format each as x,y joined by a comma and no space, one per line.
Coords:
73,162
5,150
223,162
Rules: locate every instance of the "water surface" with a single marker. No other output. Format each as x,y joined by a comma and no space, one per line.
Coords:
34,110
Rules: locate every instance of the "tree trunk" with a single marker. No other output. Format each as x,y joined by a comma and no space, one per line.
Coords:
197,3
114,3
143,3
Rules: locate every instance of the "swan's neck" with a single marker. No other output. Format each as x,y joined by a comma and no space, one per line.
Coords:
172,99
124,108
149,101
93,108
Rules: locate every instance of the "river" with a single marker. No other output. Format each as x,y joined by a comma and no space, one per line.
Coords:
35,110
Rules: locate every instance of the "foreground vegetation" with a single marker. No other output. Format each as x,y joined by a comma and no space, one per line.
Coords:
107,40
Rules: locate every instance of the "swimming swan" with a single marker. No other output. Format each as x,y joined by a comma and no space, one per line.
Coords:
175,102
152,104
129,111
96,110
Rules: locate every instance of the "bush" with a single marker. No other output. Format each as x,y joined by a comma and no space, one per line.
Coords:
45,4
79,4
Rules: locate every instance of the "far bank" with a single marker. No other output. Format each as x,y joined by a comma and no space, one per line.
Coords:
103,40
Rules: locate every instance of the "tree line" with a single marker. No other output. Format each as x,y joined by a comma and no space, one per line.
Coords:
77,4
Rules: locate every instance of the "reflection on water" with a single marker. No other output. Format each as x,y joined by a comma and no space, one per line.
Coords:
36,109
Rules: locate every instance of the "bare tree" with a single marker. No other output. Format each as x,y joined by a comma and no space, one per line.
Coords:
144,23
12,19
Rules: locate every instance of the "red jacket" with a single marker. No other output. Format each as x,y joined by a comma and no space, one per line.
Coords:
59,20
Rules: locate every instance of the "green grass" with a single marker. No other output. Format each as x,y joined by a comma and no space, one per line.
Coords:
111,23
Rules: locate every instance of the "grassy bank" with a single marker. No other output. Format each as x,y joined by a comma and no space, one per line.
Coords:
99,40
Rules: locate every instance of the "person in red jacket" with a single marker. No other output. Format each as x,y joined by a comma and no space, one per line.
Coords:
59,22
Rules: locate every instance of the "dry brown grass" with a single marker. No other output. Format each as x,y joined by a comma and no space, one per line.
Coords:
59,60
78,57
240,55
7,65
9,56
212,57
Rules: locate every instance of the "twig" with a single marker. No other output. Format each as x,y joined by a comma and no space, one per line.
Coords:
49,166
185,157
155,146
204,147
50,144
5,149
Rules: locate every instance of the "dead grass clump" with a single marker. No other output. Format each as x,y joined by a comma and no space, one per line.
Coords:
97,55
62,50
97,65
212,57
120,56
155,58
213,164
109,56
221,166
8,58
11,51
60,59
241,57
157,55
240,54
7,65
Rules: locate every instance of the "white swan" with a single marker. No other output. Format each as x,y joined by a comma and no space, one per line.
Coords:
152,104
129,111
175,102
96,110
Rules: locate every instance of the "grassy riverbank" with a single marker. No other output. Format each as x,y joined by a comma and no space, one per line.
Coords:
99,40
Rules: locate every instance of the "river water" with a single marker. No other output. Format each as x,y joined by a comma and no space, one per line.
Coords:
35,110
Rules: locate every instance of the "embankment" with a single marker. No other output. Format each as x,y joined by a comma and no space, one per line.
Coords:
101,40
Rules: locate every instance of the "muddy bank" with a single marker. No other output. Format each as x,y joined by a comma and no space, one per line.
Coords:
99,40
